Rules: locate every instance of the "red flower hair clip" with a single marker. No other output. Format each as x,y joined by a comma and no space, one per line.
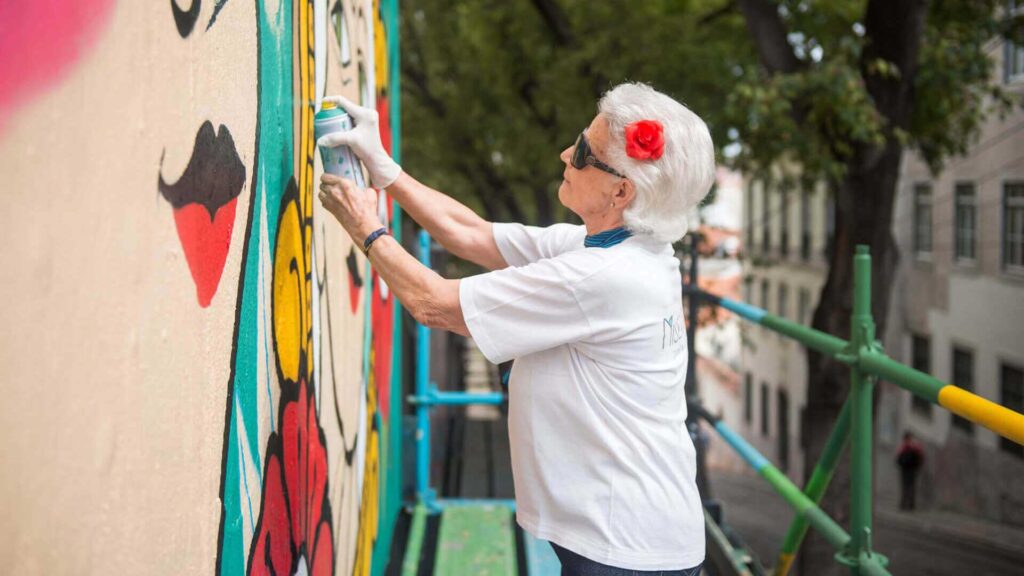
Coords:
645,140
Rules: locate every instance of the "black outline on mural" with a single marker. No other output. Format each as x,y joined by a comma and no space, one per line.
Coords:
241,292
185,20
216,10
214,176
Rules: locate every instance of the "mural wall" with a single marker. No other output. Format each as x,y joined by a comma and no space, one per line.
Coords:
197,365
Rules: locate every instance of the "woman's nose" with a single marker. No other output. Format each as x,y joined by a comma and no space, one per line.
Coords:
566,155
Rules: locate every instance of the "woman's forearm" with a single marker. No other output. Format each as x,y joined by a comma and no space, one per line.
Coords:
432,300
451,223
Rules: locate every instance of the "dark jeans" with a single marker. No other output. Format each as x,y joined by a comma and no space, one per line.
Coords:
575,565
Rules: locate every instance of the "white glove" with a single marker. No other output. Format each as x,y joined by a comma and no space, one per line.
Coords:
364,140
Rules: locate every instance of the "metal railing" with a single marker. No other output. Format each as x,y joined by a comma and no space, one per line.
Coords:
867,362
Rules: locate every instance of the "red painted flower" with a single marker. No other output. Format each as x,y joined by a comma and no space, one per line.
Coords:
645,139
295,519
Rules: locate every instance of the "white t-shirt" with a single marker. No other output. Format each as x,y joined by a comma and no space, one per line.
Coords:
601,458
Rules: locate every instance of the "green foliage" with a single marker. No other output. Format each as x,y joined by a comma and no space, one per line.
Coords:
954,91
493,91
820,115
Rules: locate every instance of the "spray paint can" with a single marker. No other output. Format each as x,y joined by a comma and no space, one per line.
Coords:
340,160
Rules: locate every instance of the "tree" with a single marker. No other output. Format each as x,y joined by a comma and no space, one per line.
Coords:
842,90
494,90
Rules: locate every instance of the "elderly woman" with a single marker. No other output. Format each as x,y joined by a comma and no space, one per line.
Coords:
603,466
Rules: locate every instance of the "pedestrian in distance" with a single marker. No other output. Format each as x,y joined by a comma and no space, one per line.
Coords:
910,458
602,462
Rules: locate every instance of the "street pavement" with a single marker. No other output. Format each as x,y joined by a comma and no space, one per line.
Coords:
918,543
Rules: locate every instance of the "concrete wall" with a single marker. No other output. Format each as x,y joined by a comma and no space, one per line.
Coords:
196,364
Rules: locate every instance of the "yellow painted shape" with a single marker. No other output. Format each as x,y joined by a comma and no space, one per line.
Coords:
999,419
290,297
380,51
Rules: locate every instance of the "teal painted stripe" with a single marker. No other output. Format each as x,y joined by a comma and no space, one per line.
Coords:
752,313
748,452
391,465
369,287
272,172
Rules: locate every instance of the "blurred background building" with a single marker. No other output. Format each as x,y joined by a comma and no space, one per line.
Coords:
957,312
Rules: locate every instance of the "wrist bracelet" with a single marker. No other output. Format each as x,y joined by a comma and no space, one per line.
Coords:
373,237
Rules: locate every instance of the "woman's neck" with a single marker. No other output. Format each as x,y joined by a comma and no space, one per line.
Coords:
597,226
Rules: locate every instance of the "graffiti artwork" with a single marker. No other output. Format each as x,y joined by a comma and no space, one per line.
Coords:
251,342
329,520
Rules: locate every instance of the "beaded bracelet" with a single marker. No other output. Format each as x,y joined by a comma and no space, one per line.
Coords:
372,237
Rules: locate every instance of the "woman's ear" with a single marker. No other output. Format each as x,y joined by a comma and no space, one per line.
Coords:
625,193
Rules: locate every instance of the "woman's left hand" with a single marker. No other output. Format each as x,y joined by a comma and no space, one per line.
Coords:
355,208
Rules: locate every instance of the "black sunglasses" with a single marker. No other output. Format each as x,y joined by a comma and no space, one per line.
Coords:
583,157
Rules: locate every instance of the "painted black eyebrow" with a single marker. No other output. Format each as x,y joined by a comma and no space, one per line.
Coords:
186,20
216,10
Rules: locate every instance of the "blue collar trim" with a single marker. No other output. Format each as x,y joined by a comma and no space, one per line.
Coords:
607,239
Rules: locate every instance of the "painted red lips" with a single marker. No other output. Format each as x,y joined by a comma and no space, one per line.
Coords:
204,201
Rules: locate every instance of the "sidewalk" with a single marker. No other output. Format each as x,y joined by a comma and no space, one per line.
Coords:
945,539
981,533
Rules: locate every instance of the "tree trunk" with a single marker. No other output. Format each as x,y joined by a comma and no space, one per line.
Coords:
542,202
865,204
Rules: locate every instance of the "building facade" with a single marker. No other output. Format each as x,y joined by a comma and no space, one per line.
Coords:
787,228
957,311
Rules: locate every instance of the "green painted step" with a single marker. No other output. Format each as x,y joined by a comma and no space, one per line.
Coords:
476,539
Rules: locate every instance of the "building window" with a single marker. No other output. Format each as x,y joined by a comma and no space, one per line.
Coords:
783,309
766,219
923,219
748,289
764,294
765,398
966,222
1013,227
784,223
963,377
1013,55
748,397
1012,386
1014,62
804,307
805,225
782,408
921,359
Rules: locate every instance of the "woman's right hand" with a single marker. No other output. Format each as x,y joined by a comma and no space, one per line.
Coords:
365,141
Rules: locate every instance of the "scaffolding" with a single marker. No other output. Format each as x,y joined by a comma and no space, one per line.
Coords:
476,535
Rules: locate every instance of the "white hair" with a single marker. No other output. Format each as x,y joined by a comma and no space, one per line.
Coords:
666,188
